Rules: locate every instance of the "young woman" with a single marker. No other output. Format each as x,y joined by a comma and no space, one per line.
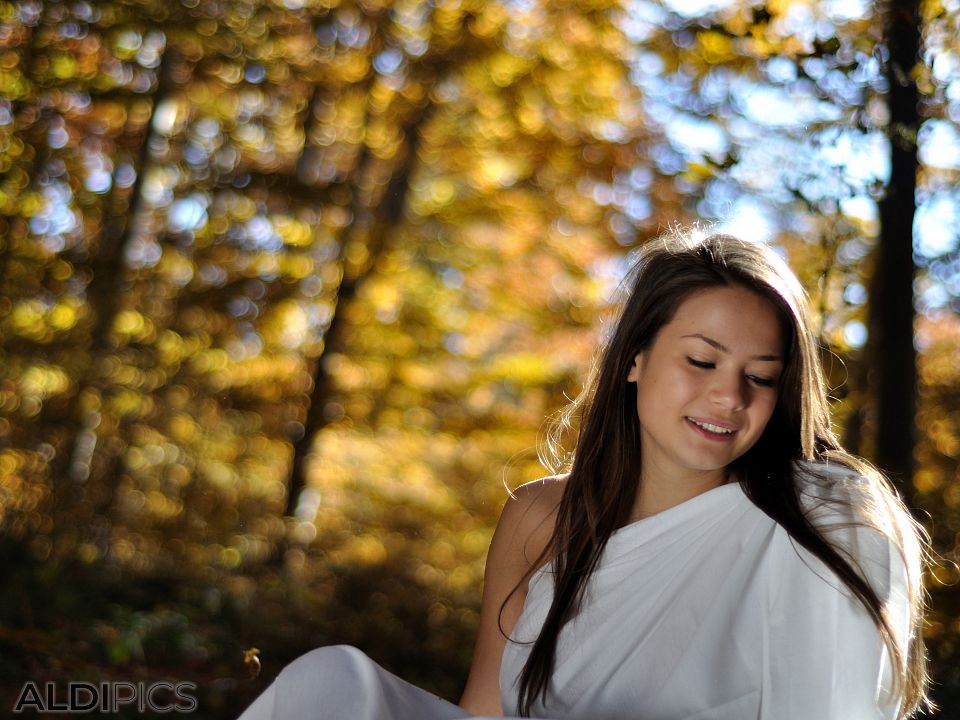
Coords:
707,551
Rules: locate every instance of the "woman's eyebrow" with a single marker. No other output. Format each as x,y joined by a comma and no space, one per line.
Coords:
722,348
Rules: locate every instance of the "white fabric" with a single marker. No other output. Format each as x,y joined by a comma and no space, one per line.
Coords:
706,611
341,683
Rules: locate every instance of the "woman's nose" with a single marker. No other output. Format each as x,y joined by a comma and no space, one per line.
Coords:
729,392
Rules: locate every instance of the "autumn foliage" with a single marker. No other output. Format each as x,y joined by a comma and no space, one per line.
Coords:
288,288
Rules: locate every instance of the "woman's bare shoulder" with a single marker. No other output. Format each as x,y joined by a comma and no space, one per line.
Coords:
529,516
540,492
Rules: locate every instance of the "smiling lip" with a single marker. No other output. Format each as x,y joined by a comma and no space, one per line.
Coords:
710,435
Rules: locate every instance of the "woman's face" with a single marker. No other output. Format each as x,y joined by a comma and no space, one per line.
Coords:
708,384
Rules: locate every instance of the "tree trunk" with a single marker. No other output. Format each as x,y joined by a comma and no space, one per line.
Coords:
103,293
386,216
892,356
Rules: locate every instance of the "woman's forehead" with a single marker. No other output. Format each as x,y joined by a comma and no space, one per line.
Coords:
733,318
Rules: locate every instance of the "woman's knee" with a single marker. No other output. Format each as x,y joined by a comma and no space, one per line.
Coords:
334,666
329,682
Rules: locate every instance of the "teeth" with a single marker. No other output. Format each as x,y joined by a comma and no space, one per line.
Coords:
712,428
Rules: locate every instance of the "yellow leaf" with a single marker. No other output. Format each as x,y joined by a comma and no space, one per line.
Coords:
715,47
63,66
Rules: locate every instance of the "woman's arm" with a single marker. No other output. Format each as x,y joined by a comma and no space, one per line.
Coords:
522,533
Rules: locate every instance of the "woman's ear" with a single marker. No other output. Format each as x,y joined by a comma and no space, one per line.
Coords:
634,373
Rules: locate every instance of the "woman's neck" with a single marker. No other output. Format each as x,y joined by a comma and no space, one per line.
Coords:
658,492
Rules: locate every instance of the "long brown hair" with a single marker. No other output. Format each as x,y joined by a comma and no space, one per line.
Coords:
603,472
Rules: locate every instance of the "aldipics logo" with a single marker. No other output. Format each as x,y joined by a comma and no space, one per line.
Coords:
106,697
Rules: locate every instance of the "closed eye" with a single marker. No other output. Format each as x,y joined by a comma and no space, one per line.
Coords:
755,379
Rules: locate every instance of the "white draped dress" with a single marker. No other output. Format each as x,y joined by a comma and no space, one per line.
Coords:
706,611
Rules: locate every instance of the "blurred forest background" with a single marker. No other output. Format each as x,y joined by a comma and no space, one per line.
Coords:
288,287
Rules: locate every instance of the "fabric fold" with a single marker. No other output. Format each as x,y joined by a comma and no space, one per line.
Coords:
690,609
